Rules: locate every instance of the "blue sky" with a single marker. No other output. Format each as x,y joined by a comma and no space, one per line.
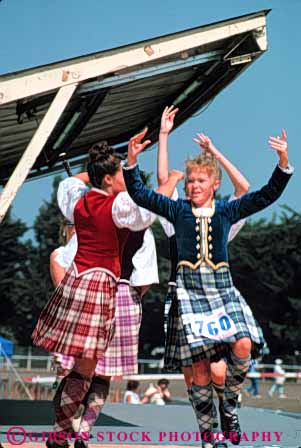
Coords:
265,98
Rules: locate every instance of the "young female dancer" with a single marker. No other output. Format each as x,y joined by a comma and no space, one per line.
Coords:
172,359
216,320
79,319
138,267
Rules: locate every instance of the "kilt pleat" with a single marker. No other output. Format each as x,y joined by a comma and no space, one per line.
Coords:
79,318
121,356
172,360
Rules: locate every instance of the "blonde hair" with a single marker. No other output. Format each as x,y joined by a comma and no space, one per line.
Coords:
206,161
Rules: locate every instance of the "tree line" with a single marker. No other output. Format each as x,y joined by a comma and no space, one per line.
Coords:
265,261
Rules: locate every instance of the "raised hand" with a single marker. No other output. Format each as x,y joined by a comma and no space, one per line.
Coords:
167,119
169,186
176,175
206,144
279,143
281,146
136,146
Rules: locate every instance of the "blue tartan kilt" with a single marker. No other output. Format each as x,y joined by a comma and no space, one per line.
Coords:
203,291
172,360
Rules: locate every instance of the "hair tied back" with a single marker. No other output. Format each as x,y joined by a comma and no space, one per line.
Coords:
100,150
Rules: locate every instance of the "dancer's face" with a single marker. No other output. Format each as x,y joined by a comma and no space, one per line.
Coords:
201,186
118,184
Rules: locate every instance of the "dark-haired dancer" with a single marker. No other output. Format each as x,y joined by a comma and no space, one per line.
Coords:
138,267
79,317
214,315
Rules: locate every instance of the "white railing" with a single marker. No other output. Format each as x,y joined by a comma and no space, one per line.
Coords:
43,363
12,372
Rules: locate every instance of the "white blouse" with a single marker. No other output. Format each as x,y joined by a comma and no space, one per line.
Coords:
145,262
125,212
66,254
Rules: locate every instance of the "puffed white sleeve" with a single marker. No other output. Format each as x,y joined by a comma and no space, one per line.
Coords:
168,227
67,253
235,228
69,192
145,262
127,214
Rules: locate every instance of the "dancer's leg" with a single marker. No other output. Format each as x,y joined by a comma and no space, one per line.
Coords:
94,402
237,369
199,387
70,395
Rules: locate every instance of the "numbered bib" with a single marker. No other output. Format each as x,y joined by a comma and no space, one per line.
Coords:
218,326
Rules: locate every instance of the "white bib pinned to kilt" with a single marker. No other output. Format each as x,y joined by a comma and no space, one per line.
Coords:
204,314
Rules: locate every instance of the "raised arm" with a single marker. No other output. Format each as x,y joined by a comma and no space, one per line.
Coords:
254,202
168,188
144,197
167,122
240,183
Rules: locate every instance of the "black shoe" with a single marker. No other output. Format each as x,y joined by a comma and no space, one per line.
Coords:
79,443
220,445
53,444
230,426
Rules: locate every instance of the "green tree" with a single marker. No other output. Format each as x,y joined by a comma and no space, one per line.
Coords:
14,265
265,262
31,292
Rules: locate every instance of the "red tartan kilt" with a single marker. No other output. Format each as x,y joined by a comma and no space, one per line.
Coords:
121,356
79,319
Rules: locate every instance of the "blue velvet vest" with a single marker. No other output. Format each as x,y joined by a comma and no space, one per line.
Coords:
204,238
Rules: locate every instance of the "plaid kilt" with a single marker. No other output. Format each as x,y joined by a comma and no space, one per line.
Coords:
121,356
79,318
204,291
171,296
172,360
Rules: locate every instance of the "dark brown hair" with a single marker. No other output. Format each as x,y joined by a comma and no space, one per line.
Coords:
163,381
102,160
132,385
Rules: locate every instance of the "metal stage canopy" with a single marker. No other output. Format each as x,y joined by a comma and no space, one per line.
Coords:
69,105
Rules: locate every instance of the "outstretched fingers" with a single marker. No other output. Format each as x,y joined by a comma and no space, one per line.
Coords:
177,175
203,141
140,136
136,145
145,144
279,143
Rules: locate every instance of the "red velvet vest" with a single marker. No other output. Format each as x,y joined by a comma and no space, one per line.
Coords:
100,242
